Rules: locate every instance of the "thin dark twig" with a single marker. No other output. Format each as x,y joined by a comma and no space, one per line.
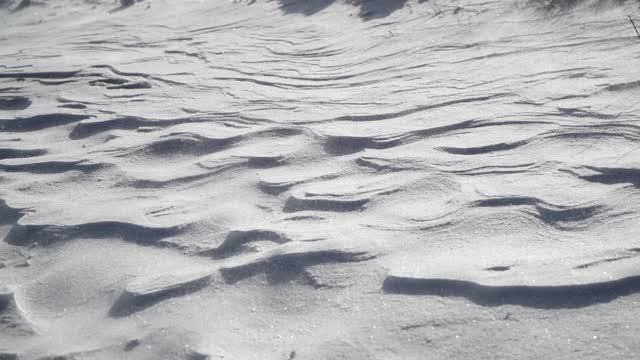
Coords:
634,26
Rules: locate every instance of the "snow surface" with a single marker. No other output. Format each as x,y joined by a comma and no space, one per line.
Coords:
318,179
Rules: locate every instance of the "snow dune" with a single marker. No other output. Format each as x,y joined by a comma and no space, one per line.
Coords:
319,179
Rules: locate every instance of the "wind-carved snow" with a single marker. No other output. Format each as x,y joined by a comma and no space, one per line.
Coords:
484,152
